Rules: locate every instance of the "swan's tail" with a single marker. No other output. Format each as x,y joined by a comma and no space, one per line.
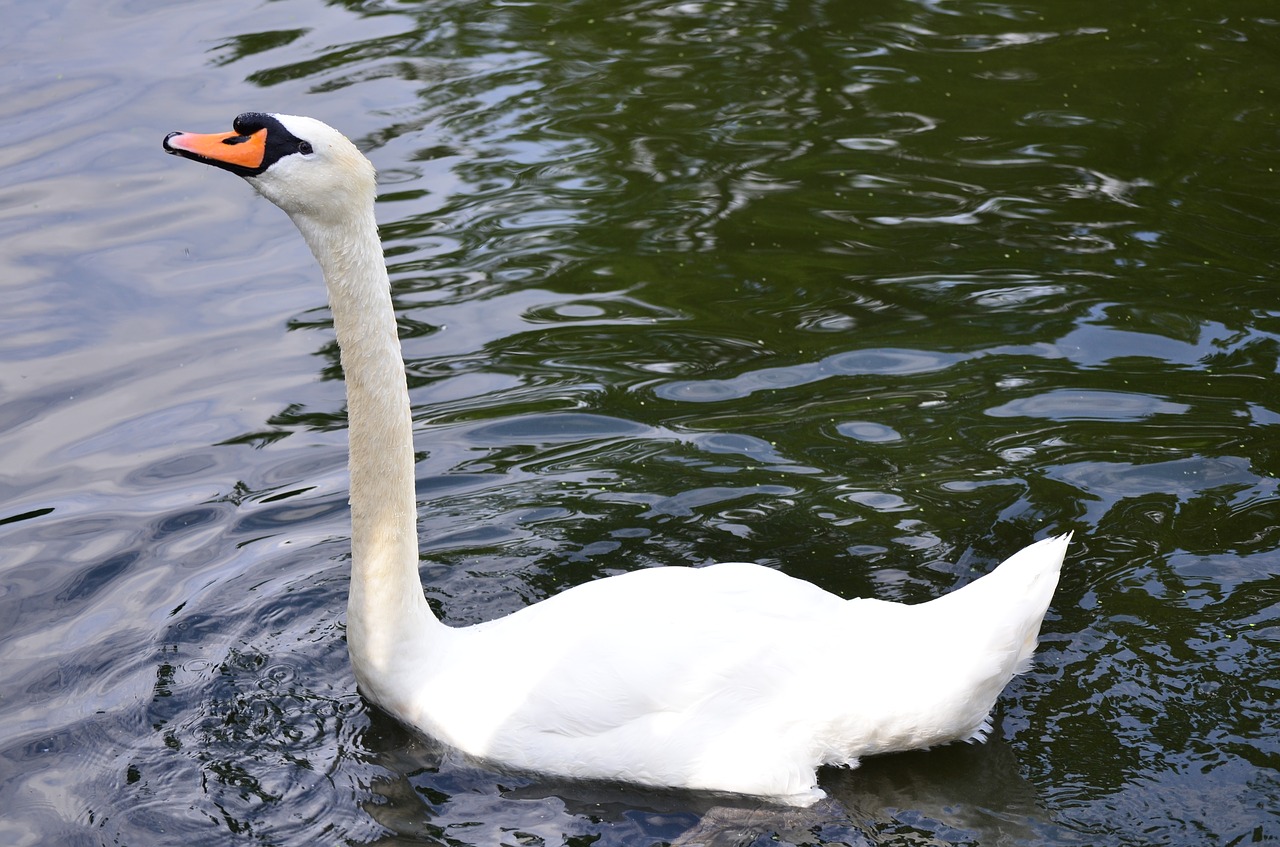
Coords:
1009,603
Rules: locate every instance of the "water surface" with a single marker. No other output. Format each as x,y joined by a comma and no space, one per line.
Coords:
872,293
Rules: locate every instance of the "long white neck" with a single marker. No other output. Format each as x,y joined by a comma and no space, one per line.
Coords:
386,610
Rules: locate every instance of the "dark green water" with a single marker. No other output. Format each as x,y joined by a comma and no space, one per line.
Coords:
876,293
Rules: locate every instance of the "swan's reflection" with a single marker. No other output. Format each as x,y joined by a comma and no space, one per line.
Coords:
959,794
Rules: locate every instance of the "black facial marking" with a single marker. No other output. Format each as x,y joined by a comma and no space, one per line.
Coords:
280,142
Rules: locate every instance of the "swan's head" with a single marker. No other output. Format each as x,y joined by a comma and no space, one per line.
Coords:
304,166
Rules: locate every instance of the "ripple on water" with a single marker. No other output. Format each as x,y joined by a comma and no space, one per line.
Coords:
1069,405
882,361
868,431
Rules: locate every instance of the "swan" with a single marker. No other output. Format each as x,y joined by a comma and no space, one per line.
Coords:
731,678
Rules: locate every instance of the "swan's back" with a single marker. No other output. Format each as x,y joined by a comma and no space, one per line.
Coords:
665,676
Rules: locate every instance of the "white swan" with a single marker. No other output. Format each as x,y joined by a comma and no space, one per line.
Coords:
733,677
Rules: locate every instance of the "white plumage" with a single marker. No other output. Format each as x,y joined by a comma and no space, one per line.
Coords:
732,677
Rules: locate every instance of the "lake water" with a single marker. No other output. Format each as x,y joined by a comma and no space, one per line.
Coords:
875,293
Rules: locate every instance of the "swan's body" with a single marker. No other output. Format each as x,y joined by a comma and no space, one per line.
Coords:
732,677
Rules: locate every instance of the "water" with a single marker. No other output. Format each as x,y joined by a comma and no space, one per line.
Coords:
876,293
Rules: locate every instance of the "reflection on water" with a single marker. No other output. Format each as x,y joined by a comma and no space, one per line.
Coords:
873,293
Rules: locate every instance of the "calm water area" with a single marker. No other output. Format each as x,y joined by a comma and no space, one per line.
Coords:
874,293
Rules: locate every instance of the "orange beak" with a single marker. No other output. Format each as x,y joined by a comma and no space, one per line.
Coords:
230,150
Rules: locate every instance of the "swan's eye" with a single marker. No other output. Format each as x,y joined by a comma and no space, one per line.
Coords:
304,147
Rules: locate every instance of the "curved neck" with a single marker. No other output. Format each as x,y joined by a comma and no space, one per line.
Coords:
386,608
